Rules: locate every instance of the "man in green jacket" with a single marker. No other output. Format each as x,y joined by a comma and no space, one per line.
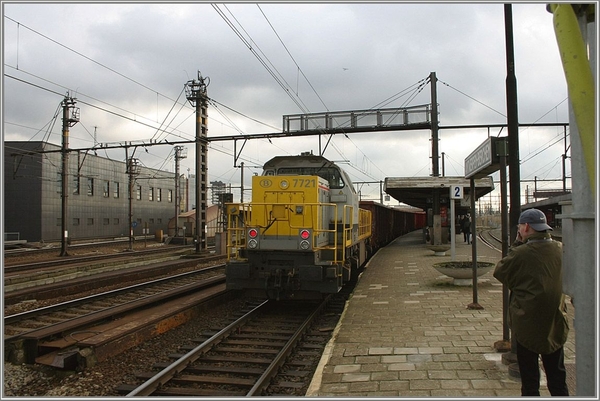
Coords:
532,271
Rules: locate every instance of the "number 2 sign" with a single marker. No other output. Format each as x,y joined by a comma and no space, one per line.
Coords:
456,192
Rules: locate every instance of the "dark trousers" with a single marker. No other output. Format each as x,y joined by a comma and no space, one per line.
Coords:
554,366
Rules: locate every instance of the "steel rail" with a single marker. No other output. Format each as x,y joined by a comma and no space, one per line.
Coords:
170,371
14,268
264,380
96,297
487,242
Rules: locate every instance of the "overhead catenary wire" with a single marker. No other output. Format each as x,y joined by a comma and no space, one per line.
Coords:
172,107
313,88
79,54
472,98
294,60
164,131
95,62
252,46
541,149
79,100
134,119
215,102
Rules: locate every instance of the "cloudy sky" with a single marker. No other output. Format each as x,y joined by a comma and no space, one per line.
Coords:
127,65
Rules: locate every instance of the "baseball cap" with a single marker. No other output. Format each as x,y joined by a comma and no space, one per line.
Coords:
535,218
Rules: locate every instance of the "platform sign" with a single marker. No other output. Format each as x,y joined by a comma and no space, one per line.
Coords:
457,192
484,160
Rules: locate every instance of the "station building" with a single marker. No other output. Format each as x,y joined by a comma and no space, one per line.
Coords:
98,195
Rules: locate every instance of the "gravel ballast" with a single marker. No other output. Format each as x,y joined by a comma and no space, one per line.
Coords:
102,379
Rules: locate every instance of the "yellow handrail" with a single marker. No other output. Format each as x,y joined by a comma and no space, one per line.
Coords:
239,218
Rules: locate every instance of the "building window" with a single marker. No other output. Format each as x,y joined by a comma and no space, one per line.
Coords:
116,221
106,189
159,221
90,186
158,194
75,221
170,196
139,222
151,221
106,221
90,221
76,184
116,189
138,192
151,194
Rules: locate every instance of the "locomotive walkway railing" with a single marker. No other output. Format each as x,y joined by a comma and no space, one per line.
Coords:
241,217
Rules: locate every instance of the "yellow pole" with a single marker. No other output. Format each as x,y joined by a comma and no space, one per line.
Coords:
580,81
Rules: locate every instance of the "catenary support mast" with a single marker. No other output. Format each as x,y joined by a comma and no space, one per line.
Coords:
196,95
70,118
514,171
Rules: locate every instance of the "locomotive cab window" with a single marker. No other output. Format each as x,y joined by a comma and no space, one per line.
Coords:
331,174
347,179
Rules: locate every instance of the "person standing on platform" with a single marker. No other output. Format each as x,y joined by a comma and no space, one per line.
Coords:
459,224
466,227
537,311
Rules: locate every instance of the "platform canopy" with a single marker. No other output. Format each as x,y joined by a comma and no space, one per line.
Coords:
418,191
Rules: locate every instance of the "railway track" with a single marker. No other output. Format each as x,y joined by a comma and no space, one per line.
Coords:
108,322
14,266
272,349
491,238
53,249
71,279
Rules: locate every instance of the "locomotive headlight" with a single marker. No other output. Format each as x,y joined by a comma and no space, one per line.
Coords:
304,245
252,244
305,234
299,209
252,233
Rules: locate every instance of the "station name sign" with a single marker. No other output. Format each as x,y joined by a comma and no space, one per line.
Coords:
485,159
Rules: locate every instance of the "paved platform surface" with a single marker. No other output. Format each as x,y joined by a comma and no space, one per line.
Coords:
406,331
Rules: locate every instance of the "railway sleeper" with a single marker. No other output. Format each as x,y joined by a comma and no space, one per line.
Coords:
125,389
240,350
312,346
92,281
214,369
302,363
261,336
103,341
295,373
202,379
268,329
287,384
229,358
266,343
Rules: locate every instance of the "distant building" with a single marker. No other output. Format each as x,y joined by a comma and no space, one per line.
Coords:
186,223
98,195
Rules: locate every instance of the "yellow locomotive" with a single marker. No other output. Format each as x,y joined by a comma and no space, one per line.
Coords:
302,236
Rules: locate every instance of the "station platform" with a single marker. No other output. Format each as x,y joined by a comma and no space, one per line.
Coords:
406,331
